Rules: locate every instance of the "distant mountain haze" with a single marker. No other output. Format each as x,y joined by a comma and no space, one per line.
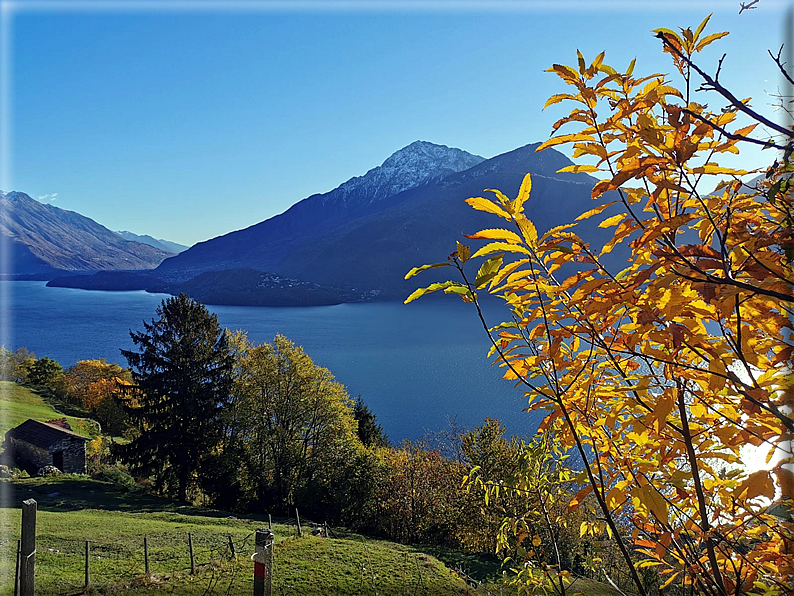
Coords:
165,245
44,238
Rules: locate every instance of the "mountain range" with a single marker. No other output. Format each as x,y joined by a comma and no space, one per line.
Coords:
356,241
42,239
164,245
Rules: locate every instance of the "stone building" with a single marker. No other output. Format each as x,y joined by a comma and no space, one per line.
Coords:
33,445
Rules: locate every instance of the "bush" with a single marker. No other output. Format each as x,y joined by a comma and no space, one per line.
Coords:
117,475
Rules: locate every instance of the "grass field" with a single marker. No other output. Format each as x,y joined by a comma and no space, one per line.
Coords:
18,403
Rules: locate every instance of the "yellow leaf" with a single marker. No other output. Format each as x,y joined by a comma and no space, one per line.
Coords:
663,408
496,234
596,64
498,247
488,271
507,270
416,270
758,484
481,204
596,211
669,580
655,503
708,39
669,33
580,495
536,541
578,168
527,229
431,288
499,195
611,221
523,193
463,252
557,98
566,73
702,26
581,61
786,480
570,138
711,168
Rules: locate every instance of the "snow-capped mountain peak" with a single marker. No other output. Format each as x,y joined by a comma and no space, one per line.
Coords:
419,163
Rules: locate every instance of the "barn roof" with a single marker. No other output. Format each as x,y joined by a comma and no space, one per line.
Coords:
41,434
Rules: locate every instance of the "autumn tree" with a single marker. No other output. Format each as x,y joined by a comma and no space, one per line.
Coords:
95,386
15,365
658,374
418,495
181,381
290,426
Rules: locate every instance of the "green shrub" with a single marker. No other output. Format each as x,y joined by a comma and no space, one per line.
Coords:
117,475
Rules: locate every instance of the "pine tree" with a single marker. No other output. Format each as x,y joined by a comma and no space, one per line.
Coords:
182,376
369,431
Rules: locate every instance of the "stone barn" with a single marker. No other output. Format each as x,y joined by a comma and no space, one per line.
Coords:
33,445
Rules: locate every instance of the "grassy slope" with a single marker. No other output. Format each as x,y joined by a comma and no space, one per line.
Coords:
115,522
17,404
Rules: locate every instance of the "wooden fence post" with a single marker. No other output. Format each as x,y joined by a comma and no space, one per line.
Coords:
27,555
192,560
87,565
231,548
16,574
298,517
263,562
146,554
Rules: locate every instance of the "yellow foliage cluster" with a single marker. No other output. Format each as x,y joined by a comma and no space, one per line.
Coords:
661,374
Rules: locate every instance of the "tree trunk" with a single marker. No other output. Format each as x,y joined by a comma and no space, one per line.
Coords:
183,486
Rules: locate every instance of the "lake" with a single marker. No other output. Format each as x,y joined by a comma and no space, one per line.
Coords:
414,365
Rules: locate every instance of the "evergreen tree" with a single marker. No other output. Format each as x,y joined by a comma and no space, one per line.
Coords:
45,371
369,431
182,377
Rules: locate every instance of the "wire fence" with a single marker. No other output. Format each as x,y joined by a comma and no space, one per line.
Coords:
221,563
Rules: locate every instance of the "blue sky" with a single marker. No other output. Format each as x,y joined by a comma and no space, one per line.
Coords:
191,121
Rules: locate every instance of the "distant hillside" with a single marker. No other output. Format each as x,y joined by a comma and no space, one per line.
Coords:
238,287
165,245
46,239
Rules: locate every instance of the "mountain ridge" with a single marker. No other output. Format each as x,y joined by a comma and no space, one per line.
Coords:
415,165
44,238
356,242
164,245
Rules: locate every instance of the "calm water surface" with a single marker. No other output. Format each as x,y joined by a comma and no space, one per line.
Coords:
415,365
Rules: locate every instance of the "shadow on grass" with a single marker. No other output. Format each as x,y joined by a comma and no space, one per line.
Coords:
72,493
